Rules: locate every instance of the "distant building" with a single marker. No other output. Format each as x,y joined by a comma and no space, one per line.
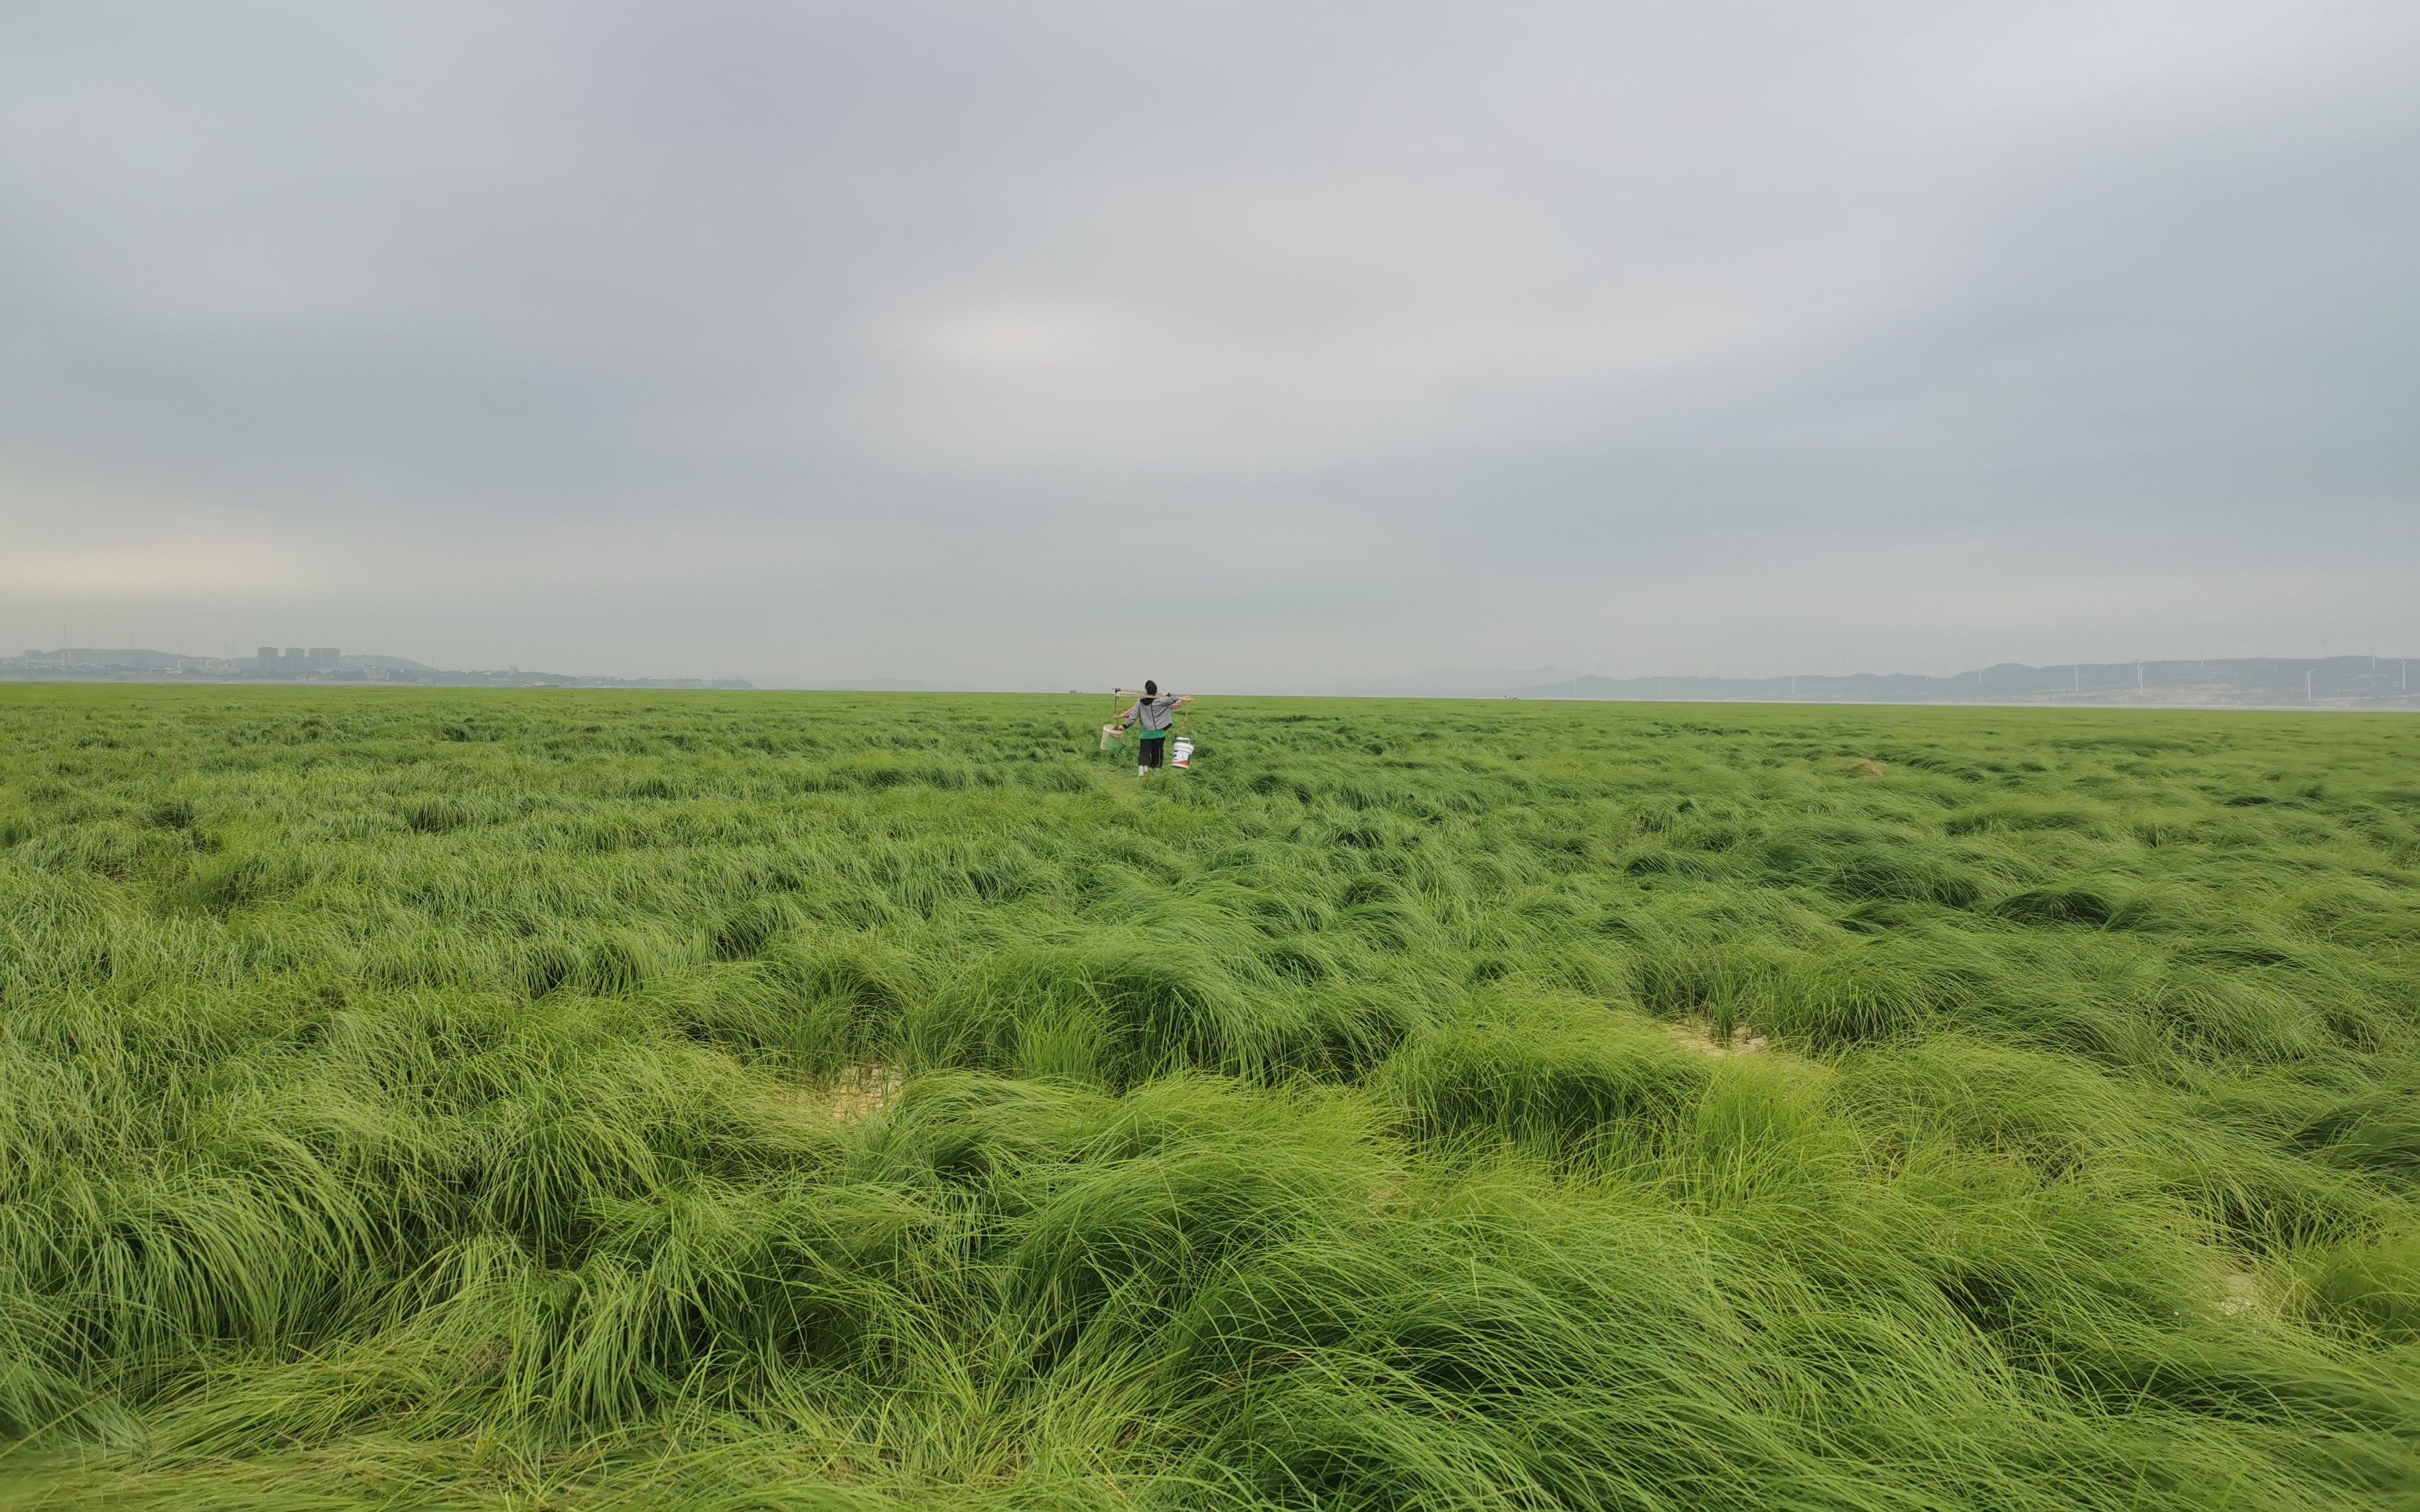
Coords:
294,661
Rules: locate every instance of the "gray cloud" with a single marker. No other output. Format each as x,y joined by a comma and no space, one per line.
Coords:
1254,344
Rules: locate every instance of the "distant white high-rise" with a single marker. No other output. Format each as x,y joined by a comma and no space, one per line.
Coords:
294,661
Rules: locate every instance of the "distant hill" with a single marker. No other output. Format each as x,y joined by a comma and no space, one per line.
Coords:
2246,682
2251,681
98,657
87,664
102,656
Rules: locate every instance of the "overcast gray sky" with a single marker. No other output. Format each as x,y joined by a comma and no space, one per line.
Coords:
1241,345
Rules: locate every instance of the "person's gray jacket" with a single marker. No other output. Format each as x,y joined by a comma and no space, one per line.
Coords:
1154,715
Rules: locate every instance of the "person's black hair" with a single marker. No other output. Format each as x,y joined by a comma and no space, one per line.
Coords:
1150,688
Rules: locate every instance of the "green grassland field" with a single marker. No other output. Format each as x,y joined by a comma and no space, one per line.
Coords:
520,1100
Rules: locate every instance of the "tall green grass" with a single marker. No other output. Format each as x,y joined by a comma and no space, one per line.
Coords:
500,1100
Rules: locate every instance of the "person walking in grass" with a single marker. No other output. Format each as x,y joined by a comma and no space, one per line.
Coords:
1150,717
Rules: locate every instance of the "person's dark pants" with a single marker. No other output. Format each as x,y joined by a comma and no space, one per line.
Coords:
1149,750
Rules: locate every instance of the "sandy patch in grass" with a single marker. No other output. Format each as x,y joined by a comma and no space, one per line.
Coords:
855,1094
2238,1292
1703,1039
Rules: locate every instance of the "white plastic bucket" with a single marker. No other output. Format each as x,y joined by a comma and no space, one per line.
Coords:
1182,752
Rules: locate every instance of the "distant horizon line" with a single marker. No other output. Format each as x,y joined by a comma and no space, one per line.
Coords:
2358,678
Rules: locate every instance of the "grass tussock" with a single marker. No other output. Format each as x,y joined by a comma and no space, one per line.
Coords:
493,1100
